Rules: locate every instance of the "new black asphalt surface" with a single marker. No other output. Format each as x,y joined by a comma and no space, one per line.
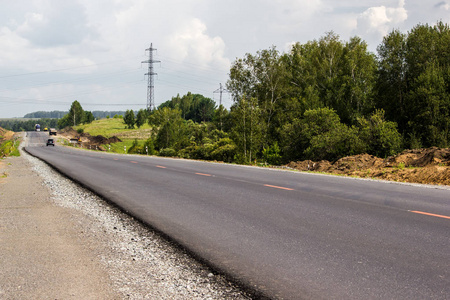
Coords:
286,234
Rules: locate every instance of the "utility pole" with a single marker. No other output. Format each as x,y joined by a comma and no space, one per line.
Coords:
150,74
220,90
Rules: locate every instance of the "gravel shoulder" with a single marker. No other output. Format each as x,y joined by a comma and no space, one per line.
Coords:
60,241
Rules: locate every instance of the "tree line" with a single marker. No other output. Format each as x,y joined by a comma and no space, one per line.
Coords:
18,125
56,114
50,119
324,99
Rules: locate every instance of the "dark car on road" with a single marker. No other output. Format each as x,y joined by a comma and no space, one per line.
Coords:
50,142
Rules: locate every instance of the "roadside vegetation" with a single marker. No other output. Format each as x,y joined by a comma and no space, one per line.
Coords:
322,100
9,144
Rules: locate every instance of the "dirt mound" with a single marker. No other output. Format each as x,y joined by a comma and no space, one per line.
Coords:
430,166
100,139
342,166
86,139
358,162
422,157
5,134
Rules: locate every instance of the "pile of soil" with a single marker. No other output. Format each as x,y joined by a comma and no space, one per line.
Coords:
87,140
5,135
428,166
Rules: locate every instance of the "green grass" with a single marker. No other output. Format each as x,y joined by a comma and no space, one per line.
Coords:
111,127
401,166
115,127
10,148
119,147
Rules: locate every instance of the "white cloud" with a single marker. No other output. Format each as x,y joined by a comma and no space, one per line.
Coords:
443,5
192,43
56,24
196,40
376,22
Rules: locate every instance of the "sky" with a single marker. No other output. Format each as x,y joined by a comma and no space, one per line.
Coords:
53,52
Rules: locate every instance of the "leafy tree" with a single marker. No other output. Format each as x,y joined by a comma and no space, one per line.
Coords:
320,135
141,118
292,141
129,119
247,131
193,107
381,137
88,117
428,61
149,146
391,84
340,141
430,107
74,117
76,113
170,127
262,77
357,81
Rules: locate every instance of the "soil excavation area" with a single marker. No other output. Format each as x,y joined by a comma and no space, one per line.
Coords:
427,166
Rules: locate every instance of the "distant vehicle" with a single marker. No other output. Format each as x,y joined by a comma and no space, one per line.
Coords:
37,127
50,142
52,131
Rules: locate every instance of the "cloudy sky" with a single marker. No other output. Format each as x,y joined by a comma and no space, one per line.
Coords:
53,52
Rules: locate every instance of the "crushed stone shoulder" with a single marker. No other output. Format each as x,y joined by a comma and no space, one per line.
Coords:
60,241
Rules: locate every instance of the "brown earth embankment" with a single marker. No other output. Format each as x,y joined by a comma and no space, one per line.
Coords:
427,166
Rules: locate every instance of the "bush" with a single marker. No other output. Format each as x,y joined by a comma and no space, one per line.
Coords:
224,152
168,152
135,148
336,143
381,136
149,145
272,155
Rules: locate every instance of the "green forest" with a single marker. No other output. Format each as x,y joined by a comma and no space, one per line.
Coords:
324,99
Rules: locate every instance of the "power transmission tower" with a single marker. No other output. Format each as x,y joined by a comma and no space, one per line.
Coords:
220,90
150,74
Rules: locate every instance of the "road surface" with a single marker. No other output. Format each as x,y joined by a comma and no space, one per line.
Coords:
288,235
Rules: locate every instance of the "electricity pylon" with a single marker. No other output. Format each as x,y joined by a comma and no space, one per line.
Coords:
150,74
220,90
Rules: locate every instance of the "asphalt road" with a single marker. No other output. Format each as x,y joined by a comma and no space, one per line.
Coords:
288,235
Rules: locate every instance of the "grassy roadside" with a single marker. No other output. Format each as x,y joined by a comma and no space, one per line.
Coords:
425,166
9,144
114,127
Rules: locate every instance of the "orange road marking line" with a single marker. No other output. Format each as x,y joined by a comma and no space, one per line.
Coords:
133,162
161,167
429,214
203,174
278,187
